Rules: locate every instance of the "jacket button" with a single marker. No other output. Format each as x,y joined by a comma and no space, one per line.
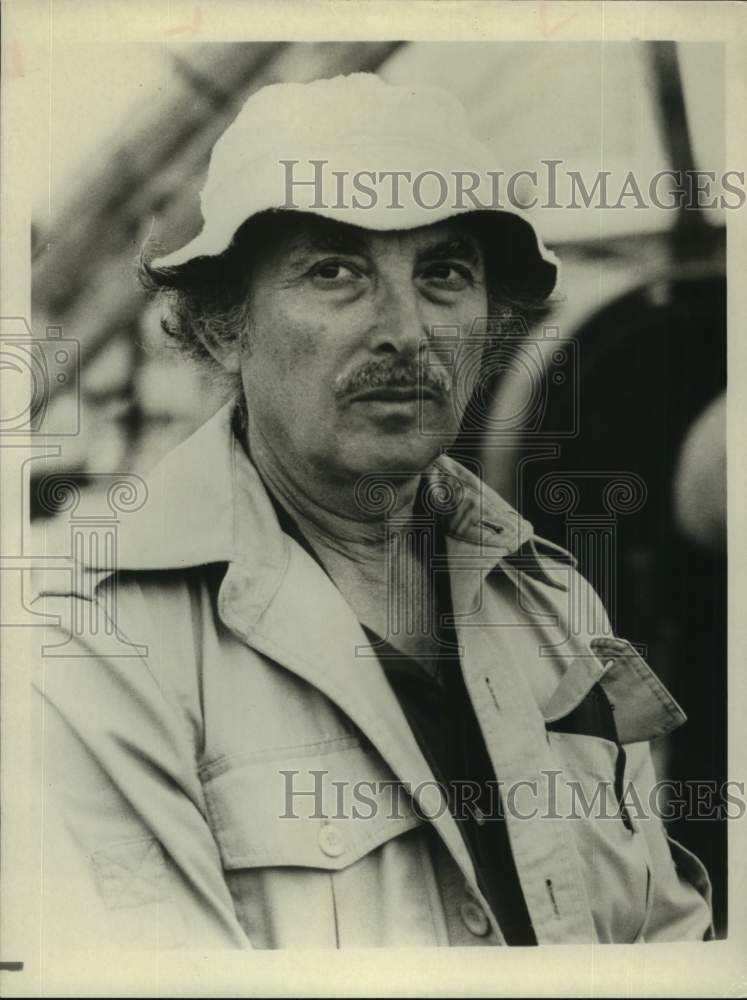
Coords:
331,841
474,919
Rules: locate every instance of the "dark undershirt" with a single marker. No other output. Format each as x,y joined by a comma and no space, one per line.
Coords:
440,713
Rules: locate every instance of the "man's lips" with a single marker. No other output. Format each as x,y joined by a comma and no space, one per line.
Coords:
394,394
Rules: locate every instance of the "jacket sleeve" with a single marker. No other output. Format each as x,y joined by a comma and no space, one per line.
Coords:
680,892
129,858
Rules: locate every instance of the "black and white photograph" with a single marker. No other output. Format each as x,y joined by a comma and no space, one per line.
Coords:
364,446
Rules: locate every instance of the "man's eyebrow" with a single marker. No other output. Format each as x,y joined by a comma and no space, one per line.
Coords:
463,247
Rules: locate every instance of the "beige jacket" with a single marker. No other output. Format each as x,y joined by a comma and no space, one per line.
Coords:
184,698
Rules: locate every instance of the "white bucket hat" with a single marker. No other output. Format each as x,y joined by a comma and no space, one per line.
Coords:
331,147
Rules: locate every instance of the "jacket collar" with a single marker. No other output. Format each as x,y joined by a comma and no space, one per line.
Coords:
207,504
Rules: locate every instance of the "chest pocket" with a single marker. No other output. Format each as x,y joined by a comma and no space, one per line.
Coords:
591,718
594,720
321,848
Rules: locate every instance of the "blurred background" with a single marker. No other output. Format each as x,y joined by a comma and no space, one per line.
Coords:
604,424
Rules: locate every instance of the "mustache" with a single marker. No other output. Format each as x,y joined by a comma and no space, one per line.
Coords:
385,374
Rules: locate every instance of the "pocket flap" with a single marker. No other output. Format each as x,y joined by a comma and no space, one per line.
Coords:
317,807
642,706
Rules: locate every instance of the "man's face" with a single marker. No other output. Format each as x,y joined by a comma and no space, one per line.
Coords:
343,375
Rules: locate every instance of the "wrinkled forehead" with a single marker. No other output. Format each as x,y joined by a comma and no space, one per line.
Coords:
298,233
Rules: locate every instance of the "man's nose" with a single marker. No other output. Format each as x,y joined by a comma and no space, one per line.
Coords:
399,325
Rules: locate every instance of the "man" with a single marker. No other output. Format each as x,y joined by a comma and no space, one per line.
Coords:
339,700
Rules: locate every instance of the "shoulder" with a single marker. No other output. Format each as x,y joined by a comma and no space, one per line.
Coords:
550,573
546,561
135,631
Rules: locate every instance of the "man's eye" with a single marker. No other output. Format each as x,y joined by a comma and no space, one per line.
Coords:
334,272
447,275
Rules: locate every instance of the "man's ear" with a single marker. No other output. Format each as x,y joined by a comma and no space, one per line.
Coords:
223,349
